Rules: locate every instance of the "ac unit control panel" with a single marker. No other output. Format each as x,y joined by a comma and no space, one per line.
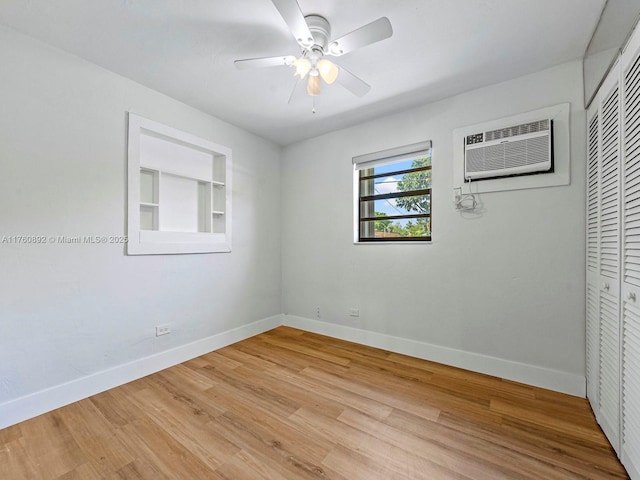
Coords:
475,138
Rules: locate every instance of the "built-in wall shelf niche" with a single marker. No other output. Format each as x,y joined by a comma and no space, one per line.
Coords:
179,191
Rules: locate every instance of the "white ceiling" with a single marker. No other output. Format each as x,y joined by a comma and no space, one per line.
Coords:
186,49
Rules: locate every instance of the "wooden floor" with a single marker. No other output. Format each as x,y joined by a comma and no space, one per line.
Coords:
293,405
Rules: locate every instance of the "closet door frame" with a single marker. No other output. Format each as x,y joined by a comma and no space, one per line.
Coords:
593,253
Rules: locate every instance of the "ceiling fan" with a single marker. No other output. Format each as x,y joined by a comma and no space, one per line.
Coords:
313,34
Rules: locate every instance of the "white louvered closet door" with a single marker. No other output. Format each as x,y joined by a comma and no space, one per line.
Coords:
608,411
630,294
593,253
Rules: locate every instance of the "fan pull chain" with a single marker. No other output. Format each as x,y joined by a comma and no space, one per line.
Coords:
313,110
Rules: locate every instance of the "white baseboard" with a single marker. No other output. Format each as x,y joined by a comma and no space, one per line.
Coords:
29,406
519,372
632,471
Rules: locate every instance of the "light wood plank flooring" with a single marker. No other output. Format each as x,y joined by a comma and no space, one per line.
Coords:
289,405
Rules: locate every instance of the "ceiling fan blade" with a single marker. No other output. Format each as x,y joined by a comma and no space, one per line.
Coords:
352,83
293,17
371,33
264,62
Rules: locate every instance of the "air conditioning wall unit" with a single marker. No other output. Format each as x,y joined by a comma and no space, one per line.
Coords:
514,150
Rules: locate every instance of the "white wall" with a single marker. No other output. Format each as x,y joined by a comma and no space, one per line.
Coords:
68,311
502,293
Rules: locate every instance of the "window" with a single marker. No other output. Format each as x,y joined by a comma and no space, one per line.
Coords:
393,195
179,191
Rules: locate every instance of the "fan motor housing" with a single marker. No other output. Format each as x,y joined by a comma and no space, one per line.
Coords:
320,29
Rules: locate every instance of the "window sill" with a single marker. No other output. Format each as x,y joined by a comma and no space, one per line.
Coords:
413,242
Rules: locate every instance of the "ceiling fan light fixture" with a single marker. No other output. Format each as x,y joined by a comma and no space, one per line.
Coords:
302,66
328,71
313,85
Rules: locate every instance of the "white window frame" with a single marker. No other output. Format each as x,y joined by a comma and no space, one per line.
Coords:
384,157
214,186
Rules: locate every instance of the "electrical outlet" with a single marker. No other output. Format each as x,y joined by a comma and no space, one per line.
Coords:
354,312
317,312
457,195
162,330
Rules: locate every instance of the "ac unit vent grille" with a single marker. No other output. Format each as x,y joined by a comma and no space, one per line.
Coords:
532,127
517,153
521,149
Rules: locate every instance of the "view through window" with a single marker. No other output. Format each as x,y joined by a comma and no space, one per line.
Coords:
394,196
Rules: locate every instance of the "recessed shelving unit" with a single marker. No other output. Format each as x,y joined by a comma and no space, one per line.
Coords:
179,191
210,195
